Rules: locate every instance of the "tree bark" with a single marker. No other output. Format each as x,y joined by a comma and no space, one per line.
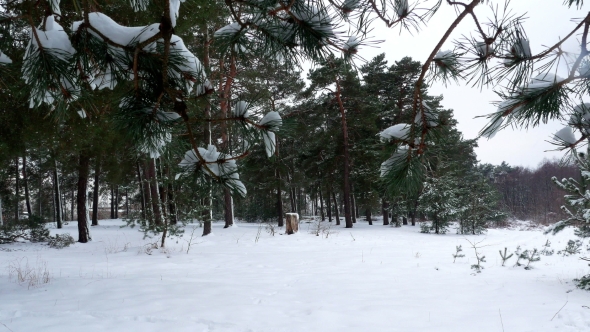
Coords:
154,192
96,192
17,192
336,214
172,205
83,168
321,203
346,189
117,202
147,192
368,216
329,206
385,211
57,195
141,191
279,197
228,208
112,201
354,208
26,185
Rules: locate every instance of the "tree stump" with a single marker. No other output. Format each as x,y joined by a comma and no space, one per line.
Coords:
292,223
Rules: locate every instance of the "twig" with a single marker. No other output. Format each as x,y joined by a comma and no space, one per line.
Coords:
6,327
559,310
501,319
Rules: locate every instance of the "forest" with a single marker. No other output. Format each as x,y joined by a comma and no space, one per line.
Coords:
168,144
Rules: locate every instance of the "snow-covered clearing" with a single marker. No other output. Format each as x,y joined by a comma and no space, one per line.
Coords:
370,278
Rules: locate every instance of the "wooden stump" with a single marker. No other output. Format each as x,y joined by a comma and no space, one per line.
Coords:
292,223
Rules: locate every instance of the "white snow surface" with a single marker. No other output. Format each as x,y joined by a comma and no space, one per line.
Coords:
566,135
399,131
369,278
269,143
117,33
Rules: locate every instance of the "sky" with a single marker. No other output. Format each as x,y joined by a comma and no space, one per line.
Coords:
548,20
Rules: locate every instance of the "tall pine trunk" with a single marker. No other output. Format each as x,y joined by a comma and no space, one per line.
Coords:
385,211
321,203
141,191
117,202
329,206
346,185
96,192
336,214
17,191
26,185
57,195
81,200
368,216
279,197
154,192
112,201
208,200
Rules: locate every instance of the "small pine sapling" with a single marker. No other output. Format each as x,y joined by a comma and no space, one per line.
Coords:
572,248
546,251
505,255
529,257
480,259
457,253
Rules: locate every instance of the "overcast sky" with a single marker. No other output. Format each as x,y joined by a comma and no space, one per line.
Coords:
548,20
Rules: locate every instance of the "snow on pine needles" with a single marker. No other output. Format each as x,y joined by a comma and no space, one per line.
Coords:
370,278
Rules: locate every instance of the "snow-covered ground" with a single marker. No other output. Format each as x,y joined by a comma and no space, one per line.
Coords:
370,278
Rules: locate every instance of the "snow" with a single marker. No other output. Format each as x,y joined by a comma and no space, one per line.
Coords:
53,37
241,109
444,55
522,48
369,278
122,35
227,170
566,135
269,142
401,8
484,49
493,128
352,43
228,30
273,120
398,131
4,58
174,8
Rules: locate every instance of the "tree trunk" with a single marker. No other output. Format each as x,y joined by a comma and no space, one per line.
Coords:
112,201
346,189
154,192
172,205
279,197
57,195
147,192
336,214
329,206
26,184
321,203
17,192
368,216
127,202
96,192
117,202
228,208
414,213
1,219
208,212
142,192
404,220
81,201
292,197
40,194
72,210
385,211
354,208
